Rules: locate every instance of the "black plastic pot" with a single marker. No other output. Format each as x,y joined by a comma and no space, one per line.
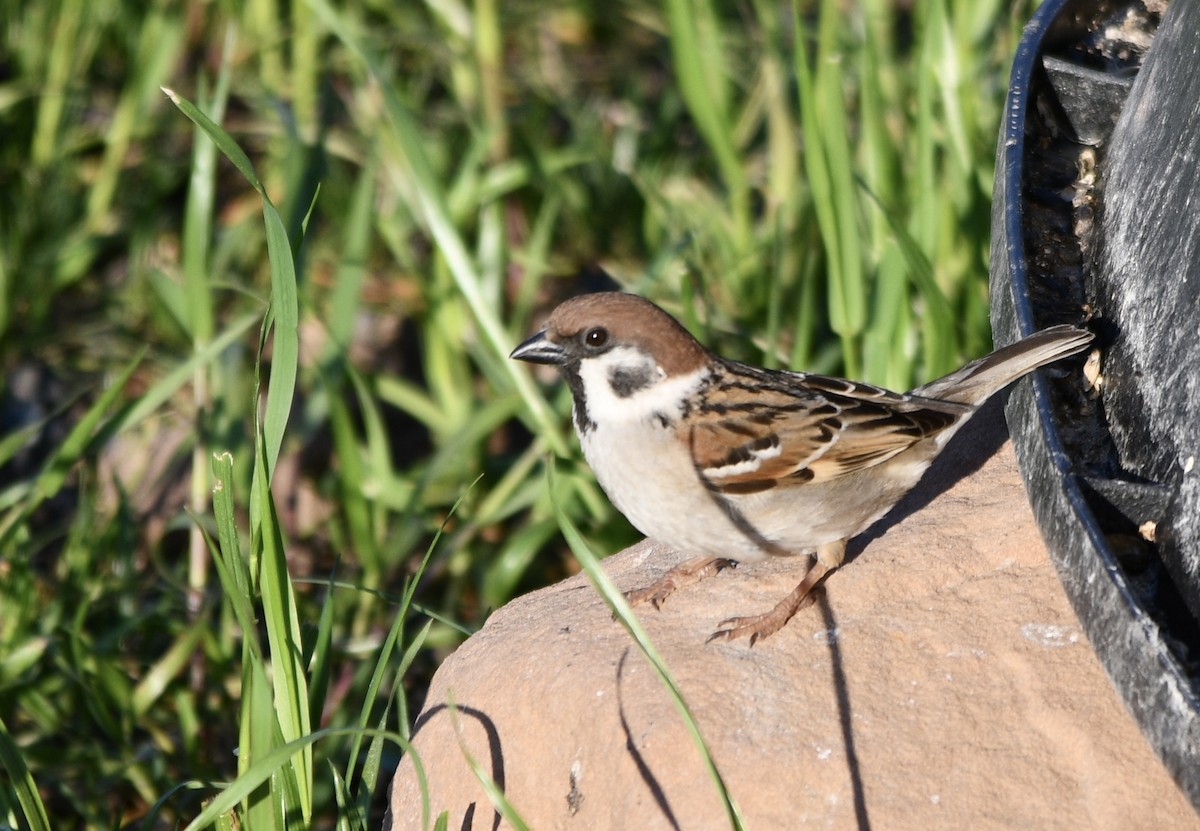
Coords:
1097,217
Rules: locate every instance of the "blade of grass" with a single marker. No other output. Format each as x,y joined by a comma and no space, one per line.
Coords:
197,239
158,48
228,558
847,287
258,738
275,588
258,724
372,692
494,793
430,205
616,601
700,69
154,683
282,622
821,185
347,285
61,65
54,472
21,781
284,306
372,764
410,589
350,818
285,351
162,390
267,764
321,660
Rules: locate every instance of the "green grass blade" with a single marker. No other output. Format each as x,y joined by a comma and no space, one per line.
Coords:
282,623
700,68
616,601
494,793
344,299
350,818
406,661
401,615
157,50
285,354
153,684
54,472
372,694
321,661
259,738
279,604
162,390
266,765
228,558
198,214
359,510
64,51
373,763
430,205
224,142
21,781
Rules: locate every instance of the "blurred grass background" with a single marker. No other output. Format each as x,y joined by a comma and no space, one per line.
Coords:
805,184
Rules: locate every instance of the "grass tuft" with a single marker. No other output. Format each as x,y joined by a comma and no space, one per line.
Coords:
258,328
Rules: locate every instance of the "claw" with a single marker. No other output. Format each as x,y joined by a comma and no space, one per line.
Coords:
768,623
756,626
684,574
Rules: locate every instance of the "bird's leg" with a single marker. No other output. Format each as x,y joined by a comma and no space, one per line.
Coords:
684,574
829,557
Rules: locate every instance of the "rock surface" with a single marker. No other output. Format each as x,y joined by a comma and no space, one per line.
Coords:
939,681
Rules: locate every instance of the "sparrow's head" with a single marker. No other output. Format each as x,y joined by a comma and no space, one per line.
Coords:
614,346
593,326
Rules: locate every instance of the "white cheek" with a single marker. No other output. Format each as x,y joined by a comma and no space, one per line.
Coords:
662,397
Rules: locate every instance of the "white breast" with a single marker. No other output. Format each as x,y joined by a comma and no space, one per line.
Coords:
647,472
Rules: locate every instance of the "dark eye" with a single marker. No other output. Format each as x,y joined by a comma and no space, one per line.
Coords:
595,338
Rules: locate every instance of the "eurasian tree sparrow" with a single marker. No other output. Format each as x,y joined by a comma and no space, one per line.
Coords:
731,462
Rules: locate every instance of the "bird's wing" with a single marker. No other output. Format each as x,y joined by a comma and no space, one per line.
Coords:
790,428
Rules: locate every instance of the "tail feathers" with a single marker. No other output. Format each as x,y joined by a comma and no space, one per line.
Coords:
980,379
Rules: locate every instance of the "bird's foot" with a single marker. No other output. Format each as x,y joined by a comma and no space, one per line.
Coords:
768,623
684,574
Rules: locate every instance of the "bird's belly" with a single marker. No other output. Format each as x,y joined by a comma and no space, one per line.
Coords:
650,478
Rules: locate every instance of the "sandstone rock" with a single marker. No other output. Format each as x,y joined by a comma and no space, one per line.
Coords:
940,681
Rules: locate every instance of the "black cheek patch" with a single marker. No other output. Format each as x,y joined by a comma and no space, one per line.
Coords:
625,381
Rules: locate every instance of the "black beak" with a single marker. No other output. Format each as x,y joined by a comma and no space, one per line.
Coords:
539,350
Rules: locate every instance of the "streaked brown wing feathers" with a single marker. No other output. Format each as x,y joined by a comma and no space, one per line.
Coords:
788,428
